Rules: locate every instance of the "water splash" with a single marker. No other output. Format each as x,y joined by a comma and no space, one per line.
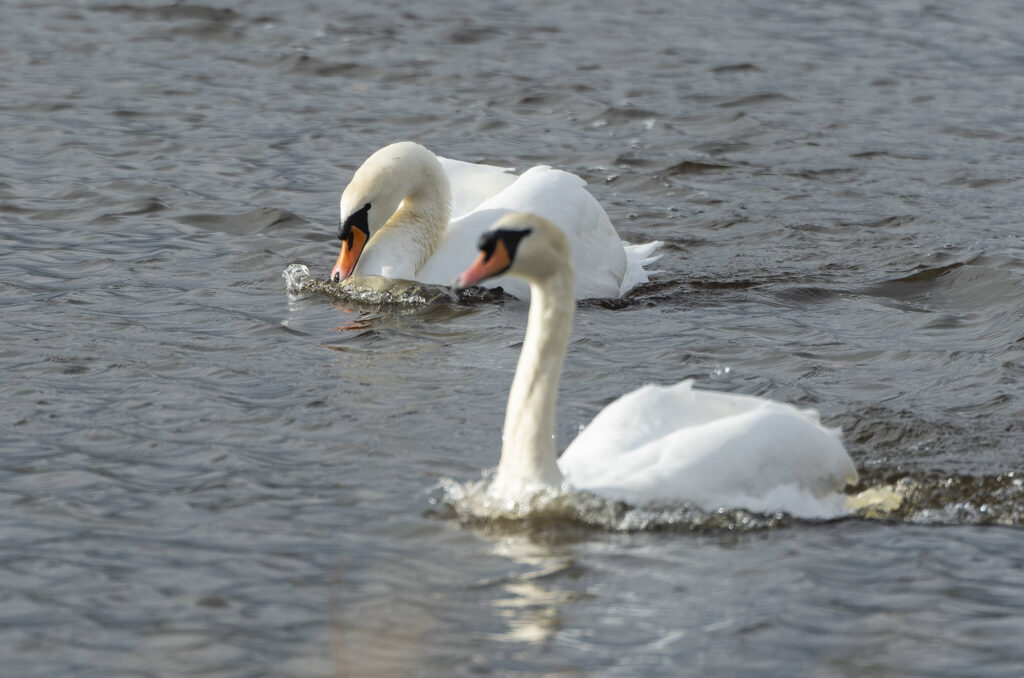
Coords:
949,500
564,507
371,290
946,500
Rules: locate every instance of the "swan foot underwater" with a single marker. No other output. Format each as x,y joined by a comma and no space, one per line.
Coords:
657,444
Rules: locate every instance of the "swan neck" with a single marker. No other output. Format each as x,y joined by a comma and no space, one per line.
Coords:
428,199
415,230
528,455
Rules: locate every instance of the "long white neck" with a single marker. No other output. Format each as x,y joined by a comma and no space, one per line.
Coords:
528,441
414,232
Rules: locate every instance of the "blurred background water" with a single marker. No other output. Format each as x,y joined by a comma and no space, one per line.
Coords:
202,476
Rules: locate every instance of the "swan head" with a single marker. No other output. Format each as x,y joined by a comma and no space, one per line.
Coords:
520,244
375,193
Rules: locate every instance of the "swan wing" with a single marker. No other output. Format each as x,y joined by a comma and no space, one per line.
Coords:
472,183
672,443
599,259
653,411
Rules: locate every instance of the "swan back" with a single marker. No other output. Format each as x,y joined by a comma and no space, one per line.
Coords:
471,183
713,449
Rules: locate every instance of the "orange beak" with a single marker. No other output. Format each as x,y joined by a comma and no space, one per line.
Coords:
349,255
485,267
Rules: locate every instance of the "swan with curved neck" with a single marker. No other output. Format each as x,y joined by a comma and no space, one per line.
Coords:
672,443
409,214
393,213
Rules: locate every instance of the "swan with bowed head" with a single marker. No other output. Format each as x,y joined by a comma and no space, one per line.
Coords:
658,443
410,214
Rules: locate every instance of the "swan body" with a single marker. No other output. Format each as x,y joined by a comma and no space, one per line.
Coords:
409,214
658,443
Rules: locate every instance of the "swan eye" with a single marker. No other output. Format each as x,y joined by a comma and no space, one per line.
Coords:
359,219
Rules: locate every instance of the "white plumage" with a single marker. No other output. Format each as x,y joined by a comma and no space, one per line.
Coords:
658,443
712,449
427,213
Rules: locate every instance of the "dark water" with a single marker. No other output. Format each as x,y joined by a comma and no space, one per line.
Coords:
201,476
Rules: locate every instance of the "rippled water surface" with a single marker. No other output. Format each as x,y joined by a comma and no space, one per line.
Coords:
203,476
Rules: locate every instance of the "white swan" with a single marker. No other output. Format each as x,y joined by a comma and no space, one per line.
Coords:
408,214
658,443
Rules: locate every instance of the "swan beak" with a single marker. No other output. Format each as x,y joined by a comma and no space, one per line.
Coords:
350,251
486,266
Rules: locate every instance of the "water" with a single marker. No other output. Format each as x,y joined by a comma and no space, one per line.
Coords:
203,476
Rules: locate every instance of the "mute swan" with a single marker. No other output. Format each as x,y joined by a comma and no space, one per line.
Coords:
395,215
658,443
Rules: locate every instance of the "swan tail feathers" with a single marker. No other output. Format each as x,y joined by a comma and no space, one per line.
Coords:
637,257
